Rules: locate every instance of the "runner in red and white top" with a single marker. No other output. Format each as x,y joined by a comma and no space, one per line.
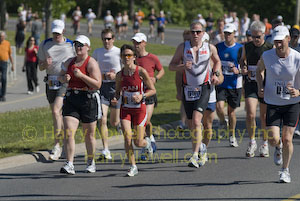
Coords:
130,83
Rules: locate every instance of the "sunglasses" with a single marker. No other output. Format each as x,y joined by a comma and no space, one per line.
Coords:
77,44
105,39
128,56
228,33
257,37
196,31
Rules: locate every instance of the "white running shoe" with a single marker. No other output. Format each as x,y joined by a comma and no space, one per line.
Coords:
297,132
264,150
252,147
194,162
284,176
278,156
37,89
132,171
105,155
202,156
149,149
90,167
67,169
29,92
233,142
55,153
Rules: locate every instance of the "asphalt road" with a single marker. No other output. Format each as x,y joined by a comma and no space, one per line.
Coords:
228,176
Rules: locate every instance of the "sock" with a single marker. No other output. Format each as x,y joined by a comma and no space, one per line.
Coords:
285,169
195,154
70,163
253,141
152,138
266,142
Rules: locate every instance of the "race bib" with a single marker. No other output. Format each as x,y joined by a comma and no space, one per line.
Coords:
192,93
281,90
227,67
128,100
53,82
252,70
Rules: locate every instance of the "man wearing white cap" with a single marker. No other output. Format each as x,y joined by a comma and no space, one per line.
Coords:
81,103
281,94
151,63
231,89
52,53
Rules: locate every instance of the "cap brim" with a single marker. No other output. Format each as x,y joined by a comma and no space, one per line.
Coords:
136,39
281,37
228,30
60,31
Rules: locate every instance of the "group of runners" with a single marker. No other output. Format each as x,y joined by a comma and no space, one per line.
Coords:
207,77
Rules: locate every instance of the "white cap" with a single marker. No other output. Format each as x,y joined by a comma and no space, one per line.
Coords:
139,37
205,37
57,26
279,17
280,32
229,27
199,15
90,10
83,39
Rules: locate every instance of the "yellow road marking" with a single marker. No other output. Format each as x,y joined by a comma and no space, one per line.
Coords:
21,100
295,197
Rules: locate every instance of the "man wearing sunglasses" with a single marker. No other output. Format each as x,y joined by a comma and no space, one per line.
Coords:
108,58
193,59
151,63
53,52
231,89
250,55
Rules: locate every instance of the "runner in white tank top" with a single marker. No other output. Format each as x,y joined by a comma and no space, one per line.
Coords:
194,62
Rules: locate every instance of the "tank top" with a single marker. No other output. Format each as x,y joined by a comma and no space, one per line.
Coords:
76,82
199,74
130,86
280,72
253,54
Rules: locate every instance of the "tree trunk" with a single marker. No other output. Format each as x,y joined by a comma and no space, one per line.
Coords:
48,8
99,12
131,8
3,14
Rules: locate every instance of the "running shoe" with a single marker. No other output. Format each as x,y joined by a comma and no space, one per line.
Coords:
284,176
104,155
67,169
233,142
37,89
149,149
264,150
252,147
297,133
194,162
132,171
143,154
202,155
29,92
55,153
278,156
90,167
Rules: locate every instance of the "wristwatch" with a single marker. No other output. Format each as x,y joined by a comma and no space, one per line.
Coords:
217,73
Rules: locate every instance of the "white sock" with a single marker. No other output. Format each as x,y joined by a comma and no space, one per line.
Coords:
195,155
253,141
266,142
152,138
70,163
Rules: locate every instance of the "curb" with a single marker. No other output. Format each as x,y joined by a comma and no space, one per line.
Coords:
42,156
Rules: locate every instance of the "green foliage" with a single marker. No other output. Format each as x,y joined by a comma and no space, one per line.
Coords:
59,7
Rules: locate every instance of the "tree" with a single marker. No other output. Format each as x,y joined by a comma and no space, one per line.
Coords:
2,14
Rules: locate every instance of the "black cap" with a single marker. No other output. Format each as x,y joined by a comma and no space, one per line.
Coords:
294,32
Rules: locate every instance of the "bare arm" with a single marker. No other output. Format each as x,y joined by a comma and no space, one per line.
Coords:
176,62
243,62
216,80
260,77
178,82
146,79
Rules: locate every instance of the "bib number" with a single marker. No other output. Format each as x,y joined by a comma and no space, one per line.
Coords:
53,82
128,100
252,70
227,67
192,93
281,90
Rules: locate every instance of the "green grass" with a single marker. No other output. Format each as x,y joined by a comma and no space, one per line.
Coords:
157,49
31,130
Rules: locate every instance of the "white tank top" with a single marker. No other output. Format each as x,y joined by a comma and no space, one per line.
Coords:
199,73
279,73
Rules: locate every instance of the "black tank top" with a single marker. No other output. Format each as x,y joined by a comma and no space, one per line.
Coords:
253,53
